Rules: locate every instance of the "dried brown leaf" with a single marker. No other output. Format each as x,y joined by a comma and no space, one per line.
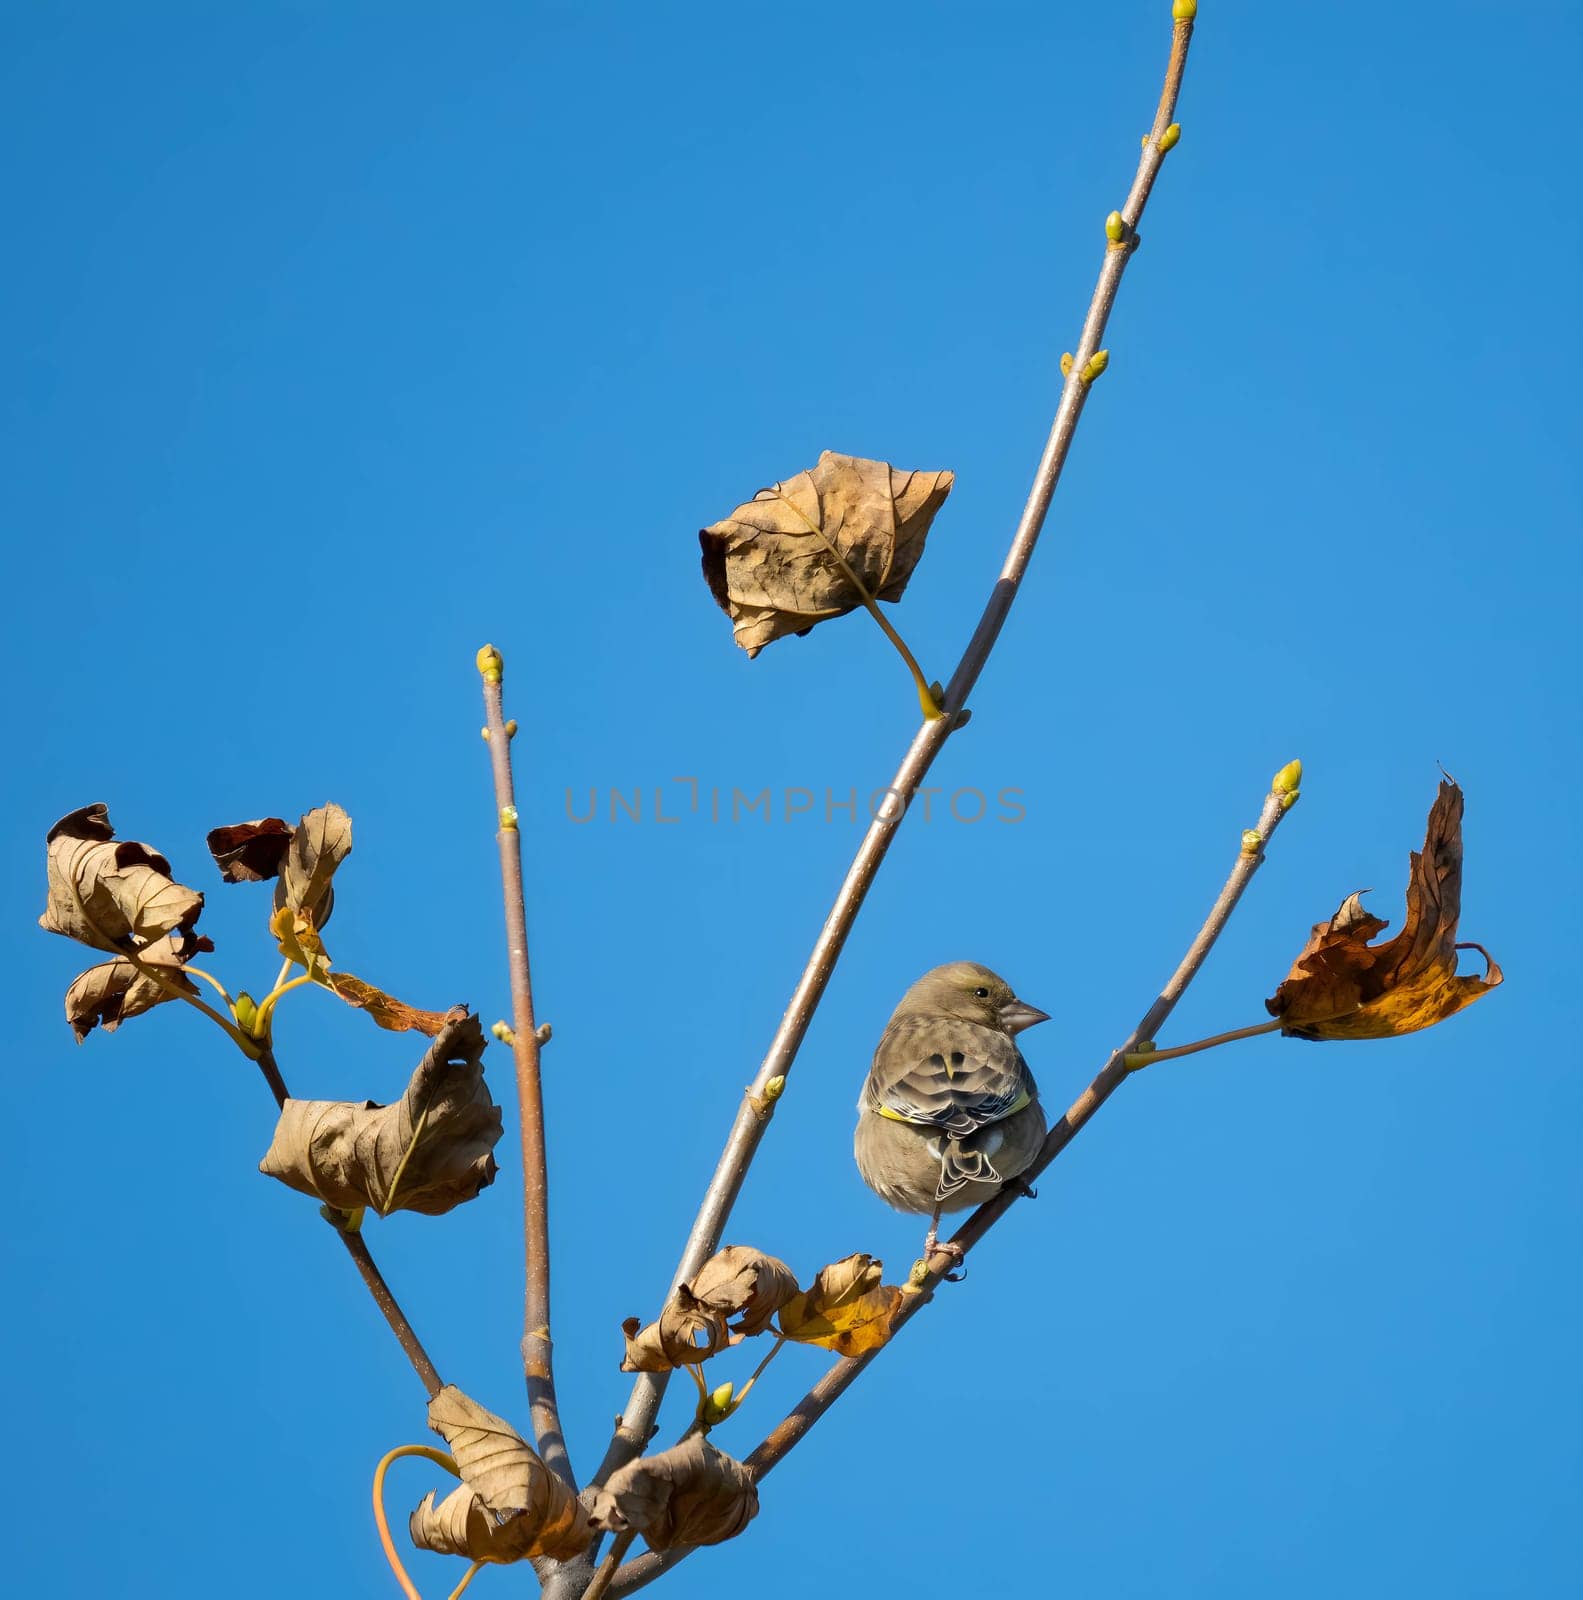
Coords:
687,1333
774,574
250,852
690,1494
320,842
848,1308
111,894
299,940
1342,987
510,1505
429,1152
108,994
738,1281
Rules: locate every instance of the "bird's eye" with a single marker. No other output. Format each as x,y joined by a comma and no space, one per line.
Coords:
983,994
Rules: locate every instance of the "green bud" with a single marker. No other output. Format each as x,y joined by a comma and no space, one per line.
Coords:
483,733
544,1033
1184,10
1290,800
1289,779
511,728
1096,365
1252,841
716,1406
775,1088
245,1010
1066,364
1115,227
504,1032
1169,137
508,819
489,663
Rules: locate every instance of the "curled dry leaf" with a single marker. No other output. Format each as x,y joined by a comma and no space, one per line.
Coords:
250,852
1342,987
429,1152
738,1281
320,842
689,1494
115,990
775,565
510,1506
847,1308
112,894
299,940
687,1333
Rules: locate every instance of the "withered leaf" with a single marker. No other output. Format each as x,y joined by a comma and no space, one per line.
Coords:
320,842
738,1281
299,939
689,1494
687,1333
848,1308
108,994
250,852
428,1152
770,564
510,1505
1342,987
111,894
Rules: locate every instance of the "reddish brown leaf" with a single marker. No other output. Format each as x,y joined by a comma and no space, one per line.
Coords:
107,995
1342,987
250,852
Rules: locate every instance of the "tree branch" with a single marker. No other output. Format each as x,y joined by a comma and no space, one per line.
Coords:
357,1249
787,1434
753,1115
537,1349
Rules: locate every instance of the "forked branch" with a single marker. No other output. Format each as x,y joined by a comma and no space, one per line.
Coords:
840,1377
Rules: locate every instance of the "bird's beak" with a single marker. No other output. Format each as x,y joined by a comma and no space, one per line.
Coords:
1015,1016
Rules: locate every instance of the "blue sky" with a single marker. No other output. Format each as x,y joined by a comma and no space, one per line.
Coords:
344,338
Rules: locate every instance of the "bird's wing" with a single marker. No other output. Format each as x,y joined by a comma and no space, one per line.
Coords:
943,1073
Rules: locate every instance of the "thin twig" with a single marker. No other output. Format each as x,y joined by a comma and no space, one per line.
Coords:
607,1567
538,1361
633,1431
357,1249
785,1436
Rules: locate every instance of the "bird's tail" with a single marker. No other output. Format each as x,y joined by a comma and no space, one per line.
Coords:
960,1166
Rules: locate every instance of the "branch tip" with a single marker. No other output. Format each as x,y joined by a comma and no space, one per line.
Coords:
1184,10
490,664
1288,780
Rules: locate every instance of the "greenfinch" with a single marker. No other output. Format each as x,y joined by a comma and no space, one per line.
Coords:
949,1111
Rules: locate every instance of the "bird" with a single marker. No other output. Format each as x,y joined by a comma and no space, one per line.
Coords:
949,1111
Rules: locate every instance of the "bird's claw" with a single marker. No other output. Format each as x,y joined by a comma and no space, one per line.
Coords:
1023,1187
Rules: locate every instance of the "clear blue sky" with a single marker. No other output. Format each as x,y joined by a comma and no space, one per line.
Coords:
344,337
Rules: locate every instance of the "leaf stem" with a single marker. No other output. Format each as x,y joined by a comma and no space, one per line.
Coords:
386,1543
467,1577
751,1124
926,700
607,1567
758,1372
266,1006
1138,1059
213,982
538,1355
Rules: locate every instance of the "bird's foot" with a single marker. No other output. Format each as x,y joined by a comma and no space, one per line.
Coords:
933,1247
1023,1187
